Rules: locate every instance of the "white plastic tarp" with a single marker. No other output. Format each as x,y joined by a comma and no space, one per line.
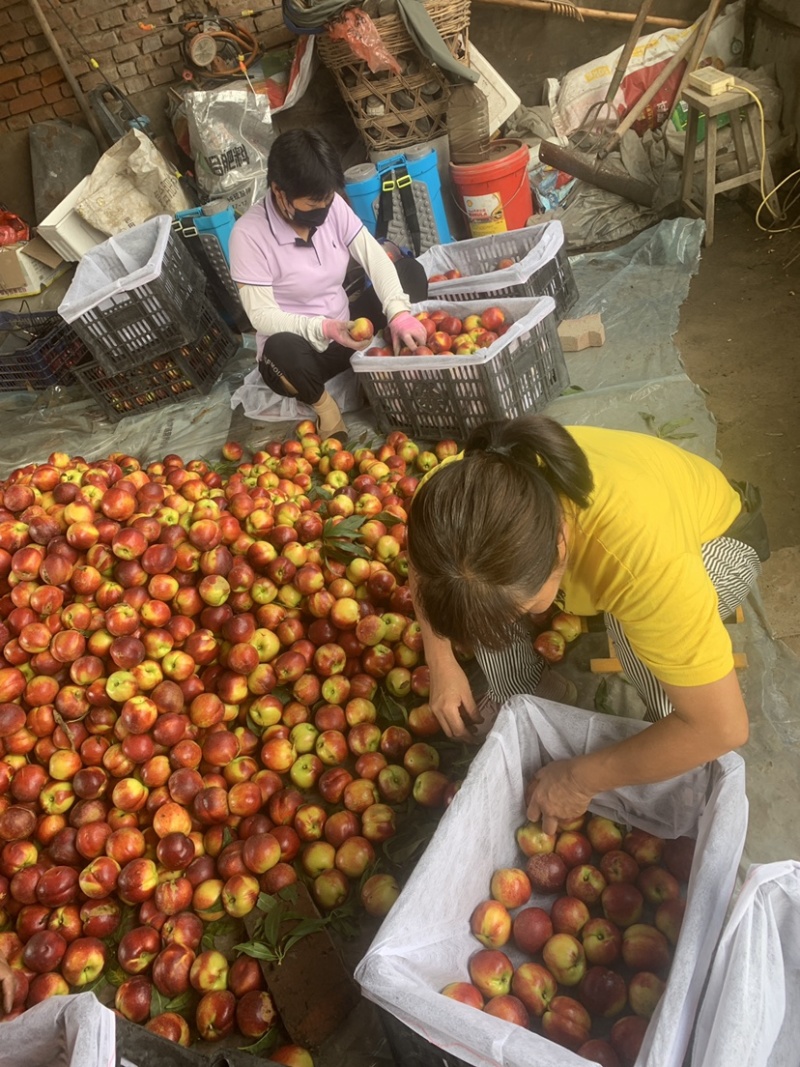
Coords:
750,1014
263,404
425,941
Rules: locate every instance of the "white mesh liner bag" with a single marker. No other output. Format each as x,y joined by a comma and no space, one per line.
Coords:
425,941
750,1014
69,1031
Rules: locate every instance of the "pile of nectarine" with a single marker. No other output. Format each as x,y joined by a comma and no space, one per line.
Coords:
211,686
449,335
578,939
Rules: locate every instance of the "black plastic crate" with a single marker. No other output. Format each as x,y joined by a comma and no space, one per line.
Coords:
448,396
155,317
37,350
189,370
538,252
138,1046
410,1050
206,239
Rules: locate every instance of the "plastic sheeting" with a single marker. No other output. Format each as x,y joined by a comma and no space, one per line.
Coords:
59,422
263,404
638,289
425,941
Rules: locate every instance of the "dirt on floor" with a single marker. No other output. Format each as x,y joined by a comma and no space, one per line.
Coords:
739,338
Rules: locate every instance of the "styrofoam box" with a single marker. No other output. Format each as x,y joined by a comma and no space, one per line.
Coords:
66,232
425,941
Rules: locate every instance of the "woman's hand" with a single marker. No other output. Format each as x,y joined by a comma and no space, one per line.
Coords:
451,700
7,985
556,795
407,331
451,697
339,332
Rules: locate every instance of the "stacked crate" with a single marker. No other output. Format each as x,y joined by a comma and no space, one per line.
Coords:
139,304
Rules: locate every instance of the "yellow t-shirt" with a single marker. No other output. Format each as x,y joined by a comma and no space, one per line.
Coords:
635,551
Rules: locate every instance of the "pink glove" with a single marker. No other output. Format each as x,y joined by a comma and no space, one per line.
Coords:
337,331
408,331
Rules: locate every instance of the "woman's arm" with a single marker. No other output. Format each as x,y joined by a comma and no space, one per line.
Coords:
381,272
450,688
264,313
708,721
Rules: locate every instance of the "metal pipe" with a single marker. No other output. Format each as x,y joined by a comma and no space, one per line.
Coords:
72,81
589,169
592,13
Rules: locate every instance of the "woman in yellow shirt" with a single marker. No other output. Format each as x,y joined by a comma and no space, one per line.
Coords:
604,521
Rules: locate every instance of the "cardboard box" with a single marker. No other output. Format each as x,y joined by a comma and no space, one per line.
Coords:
66,232
28,267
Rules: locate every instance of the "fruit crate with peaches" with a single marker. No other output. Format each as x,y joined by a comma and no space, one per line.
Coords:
37,350
430,394
521,263
135,296
487,956
193,368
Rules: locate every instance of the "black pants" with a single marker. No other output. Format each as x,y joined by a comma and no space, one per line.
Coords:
290,356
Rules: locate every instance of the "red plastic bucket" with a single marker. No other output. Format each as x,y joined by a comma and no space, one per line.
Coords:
495,196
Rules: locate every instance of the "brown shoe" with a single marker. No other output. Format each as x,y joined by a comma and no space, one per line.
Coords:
329,418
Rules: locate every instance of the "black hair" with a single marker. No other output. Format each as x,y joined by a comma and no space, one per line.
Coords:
484,533
304,163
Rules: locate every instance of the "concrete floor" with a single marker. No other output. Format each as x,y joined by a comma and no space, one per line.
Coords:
738,339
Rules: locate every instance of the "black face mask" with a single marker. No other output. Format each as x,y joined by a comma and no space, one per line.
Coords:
313,218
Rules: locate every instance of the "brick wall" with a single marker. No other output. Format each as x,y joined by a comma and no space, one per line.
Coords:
32,85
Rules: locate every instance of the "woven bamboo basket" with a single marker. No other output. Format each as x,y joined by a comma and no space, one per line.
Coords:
397,110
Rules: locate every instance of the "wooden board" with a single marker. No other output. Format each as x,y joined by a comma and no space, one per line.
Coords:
610,664
312,989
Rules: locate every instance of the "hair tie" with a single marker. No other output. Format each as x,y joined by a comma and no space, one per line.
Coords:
497,450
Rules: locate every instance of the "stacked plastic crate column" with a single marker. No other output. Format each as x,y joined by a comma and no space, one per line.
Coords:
139,302
37,350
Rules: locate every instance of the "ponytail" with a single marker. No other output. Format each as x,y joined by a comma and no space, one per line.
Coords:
543,448
485,533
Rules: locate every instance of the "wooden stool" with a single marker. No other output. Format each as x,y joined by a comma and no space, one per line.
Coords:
741,108
610,664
